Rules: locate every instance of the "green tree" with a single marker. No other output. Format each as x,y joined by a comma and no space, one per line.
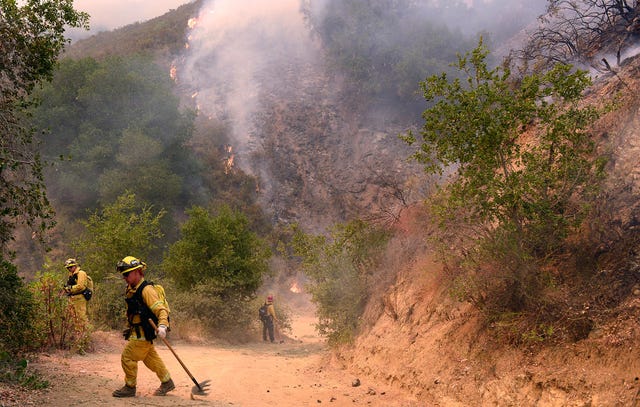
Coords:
522,155
31,38
140,166
221,250
117,121
128,226
218,263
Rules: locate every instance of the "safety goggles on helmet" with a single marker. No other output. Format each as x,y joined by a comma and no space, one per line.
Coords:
129,264
70,263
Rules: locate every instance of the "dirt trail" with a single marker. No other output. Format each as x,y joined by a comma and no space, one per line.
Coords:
292,373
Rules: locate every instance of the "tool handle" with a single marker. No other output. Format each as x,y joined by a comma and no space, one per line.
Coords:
193,379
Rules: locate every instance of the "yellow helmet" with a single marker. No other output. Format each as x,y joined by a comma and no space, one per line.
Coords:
70,263
128,264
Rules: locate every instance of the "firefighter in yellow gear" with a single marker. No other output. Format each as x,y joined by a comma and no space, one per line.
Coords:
74,288
143,302
268,325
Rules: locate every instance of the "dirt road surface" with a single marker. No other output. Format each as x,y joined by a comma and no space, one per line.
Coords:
294,372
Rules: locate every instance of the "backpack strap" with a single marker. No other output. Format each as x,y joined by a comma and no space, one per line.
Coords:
137,306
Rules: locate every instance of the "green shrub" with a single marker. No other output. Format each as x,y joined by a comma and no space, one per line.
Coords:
201,312
510,203
340,272
219,250
17,311
54,325
19,333
107,308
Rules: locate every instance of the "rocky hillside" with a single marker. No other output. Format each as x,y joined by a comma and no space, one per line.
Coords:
321,162
419,338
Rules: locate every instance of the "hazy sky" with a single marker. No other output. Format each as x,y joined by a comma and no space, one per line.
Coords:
110,14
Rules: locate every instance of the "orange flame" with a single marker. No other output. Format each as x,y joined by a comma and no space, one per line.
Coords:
192,22
295,289
228,163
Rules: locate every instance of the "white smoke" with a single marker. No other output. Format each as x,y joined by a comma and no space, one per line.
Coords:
243,52
238,51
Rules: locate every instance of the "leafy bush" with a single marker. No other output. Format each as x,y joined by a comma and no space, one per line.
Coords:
217,266
200,312
202,307
339,271
108,308
17,312
20,331
220,251
519,200
54,323
127,226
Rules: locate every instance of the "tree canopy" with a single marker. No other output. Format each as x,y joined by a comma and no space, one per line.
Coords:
128,226
220,250
31,38
116,121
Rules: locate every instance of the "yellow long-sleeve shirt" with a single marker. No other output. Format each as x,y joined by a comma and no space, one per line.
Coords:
81,283
271,310
153,301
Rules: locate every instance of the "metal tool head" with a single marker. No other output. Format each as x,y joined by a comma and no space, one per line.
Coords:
201,389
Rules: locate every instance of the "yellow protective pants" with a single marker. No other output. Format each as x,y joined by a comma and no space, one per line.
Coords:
141,350
79,305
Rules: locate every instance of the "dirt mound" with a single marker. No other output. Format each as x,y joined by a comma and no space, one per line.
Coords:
428,344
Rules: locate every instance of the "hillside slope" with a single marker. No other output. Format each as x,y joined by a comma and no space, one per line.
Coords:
323,155
163,36
419,338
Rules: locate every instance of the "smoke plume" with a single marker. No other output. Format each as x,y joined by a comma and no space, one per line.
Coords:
240,50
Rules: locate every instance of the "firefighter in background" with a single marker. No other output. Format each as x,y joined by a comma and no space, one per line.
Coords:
268,325
143,302
76,284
